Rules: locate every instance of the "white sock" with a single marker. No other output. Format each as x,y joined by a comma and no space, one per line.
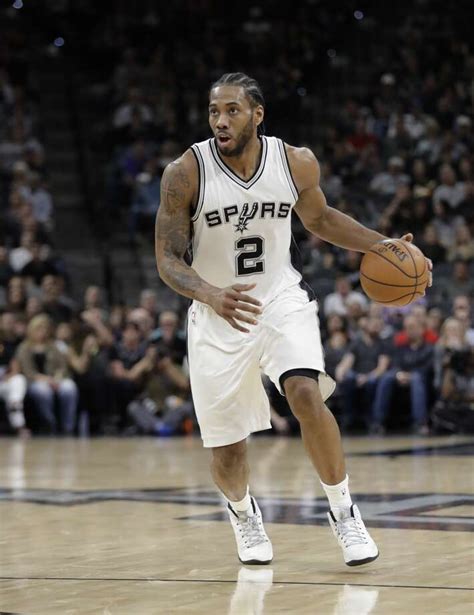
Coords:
338,496
242,505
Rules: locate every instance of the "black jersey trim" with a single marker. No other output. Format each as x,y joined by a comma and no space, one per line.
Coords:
230,173
297,264
202,181
287,168
299,371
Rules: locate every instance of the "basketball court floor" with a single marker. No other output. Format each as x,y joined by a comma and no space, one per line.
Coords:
134,527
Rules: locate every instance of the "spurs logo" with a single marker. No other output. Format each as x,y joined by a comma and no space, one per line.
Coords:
245,217
399,253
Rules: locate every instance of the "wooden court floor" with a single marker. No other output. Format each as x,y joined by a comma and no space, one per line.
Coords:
134,527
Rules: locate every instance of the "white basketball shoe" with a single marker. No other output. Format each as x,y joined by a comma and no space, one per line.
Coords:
354,539
253,544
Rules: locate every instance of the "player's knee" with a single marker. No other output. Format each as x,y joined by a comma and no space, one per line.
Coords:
304,398
231,456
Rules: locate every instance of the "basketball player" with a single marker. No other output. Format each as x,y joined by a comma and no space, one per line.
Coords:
233,195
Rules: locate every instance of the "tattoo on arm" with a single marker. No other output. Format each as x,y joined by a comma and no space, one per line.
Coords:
172,234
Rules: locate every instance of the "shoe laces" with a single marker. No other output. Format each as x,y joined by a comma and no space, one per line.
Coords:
351,531
252,530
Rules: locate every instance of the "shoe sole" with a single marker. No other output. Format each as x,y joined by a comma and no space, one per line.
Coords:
256,562
360,562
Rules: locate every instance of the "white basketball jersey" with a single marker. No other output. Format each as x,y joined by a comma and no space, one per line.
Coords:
242,229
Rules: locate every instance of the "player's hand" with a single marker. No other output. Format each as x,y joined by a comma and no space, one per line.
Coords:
234,305
429,263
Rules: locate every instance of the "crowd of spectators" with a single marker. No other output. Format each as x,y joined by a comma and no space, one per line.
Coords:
396,153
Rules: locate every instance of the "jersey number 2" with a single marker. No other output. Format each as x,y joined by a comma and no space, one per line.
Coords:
249,259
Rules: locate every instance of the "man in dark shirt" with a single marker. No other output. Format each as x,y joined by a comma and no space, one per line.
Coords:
57,308
130,364
410,367
361,367
38,267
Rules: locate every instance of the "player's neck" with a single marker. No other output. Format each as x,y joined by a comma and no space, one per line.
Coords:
247,162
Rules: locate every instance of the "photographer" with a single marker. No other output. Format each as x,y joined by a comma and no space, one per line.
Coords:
165,407
452,338
454,370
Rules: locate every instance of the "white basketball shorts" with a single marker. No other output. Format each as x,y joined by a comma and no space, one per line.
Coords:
225,364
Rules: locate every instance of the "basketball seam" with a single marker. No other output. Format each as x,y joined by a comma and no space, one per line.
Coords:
398,298
416,272
386,283
413,277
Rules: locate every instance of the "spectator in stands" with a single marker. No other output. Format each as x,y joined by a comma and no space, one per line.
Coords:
16,295
88,360
144,320
429,147
349,265
168,338
335,348
168,390
410,367
355,312
41,200
168,387
451,340
461,309
336,302
131,363
361,138
6,271
94,300
146,198
365,361
134,102
46,370
95,319
56,306
386,183
318,260
39,266
450,190
149,301
331,183
434,320
21,256
12,383
421,184
455,379
459,283
430,245
443,224
418,311
398,216
463,248
117,320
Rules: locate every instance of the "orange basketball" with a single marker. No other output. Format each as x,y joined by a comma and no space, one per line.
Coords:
394,272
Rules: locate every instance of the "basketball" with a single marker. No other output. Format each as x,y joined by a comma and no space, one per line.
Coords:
394,272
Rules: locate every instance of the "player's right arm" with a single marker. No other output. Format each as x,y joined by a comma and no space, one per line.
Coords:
179,187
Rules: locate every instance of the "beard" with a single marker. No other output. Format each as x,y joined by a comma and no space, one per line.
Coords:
241,141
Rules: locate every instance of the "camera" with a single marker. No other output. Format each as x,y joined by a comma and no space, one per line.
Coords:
459,360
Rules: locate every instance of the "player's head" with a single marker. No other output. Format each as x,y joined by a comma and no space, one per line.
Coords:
236,110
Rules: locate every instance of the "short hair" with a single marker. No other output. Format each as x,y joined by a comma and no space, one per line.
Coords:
252,89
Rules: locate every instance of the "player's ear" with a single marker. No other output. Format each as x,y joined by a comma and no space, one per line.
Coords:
259,114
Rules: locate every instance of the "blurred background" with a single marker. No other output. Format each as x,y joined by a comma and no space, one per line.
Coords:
95,101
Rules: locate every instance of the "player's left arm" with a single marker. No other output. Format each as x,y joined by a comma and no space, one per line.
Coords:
321,219
316,215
